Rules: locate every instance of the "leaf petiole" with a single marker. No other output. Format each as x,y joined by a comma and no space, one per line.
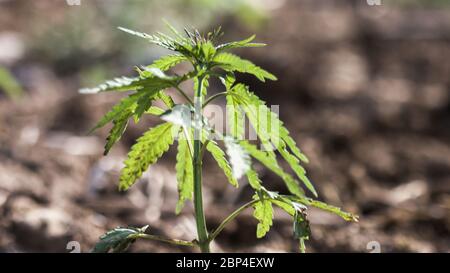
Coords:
165,240
230,218
210,99
182,93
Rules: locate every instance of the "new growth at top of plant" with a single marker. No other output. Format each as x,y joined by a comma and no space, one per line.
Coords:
186,123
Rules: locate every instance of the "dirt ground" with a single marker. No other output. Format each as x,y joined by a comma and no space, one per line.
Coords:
364,90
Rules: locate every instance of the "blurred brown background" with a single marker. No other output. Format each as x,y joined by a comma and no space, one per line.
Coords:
364,90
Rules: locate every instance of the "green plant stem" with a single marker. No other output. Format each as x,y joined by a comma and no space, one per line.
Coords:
165,240
230,218
210,99
202,231
302,246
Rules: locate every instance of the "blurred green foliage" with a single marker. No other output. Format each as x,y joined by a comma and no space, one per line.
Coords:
9,84
85,33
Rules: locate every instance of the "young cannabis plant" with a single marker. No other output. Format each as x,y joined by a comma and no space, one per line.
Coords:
186,123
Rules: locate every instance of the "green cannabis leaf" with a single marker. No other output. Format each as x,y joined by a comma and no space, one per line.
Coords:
264,214
271,131
302,231
147,150
231,62
219,155
118,239
185,172
119,126
167,62
269,160
244,43
253,179
185,122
